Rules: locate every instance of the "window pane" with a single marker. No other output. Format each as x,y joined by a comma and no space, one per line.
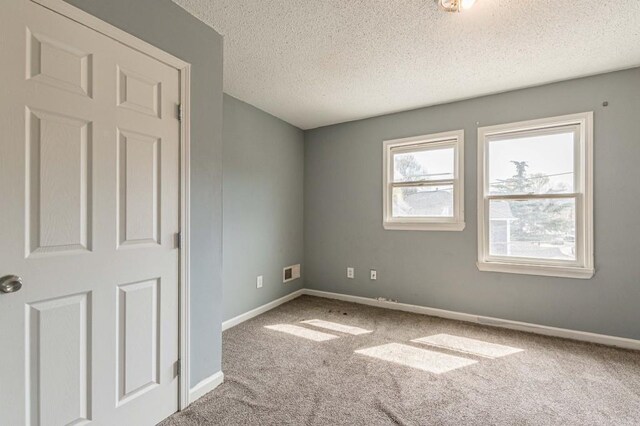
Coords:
540,164
423,201
431,164
540,228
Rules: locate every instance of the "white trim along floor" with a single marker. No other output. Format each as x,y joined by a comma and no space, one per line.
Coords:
583,336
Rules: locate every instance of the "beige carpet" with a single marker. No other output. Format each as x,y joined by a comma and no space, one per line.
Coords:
361,365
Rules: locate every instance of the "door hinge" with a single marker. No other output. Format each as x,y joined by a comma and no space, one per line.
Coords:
179,112
178,367
178,240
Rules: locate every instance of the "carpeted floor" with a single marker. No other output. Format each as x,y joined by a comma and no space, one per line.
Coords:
273,377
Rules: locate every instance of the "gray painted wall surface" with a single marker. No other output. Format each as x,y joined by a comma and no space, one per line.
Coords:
263,205
170,28
343,213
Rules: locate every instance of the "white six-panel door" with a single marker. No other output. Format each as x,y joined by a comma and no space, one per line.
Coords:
89,207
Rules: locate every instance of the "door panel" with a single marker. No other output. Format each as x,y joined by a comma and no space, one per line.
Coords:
54,358
139,93
138,338
89,182
139,188
59,64
59,182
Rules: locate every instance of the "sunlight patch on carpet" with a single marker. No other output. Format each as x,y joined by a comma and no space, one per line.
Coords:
294,330
334,326
421,359
469,346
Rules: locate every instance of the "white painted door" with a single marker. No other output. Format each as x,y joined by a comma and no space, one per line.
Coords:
89,206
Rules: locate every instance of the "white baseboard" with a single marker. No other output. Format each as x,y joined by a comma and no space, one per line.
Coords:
205,386
602,339
260,310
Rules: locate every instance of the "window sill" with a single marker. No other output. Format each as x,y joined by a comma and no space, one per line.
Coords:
543,270
417,226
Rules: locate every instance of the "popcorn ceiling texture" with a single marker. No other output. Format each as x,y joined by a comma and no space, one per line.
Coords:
315,63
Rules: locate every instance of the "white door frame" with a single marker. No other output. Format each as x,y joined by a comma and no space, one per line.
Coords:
184,68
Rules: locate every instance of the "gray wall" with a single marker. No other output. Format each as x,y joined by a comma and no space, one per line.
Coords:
263,205
343,213
167,26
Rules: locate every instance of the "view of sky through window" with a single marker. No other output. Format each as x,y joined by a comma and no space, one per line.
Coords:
432,164
544,163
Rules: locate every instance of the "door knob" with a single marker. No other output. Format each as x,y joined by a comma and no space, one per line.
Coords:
10,284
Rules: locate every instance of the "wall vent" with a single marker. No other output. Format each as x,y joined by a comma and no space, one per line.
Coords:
290,273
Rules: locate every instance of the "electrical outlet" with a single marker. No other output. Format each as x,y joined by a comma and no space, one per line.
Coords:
351,274
259,282
374,274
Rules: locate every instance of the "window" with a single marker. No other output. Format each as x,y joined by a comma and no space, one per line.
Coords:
424,183
535,197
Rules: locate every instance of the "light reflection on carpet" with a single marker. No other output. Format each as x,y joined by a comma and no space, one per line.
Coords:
334,326
421,359
294,330
469,346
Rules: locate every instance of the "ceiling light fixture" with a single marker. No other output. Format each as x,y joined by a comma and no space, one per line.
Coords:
455,5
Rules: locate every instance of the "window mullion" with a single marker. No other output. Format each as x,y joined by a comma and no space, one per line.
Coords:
531,196
423,146
440,182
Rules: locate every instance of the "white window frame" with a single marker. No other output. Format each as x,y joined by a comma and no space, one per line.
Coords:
583,266
452,139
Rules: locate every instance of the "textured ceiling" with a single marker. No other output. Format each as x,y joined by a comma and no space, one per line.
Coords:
319,62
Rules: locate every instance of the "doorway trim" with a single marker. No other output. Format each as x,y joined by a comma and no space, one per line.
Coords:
184,68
